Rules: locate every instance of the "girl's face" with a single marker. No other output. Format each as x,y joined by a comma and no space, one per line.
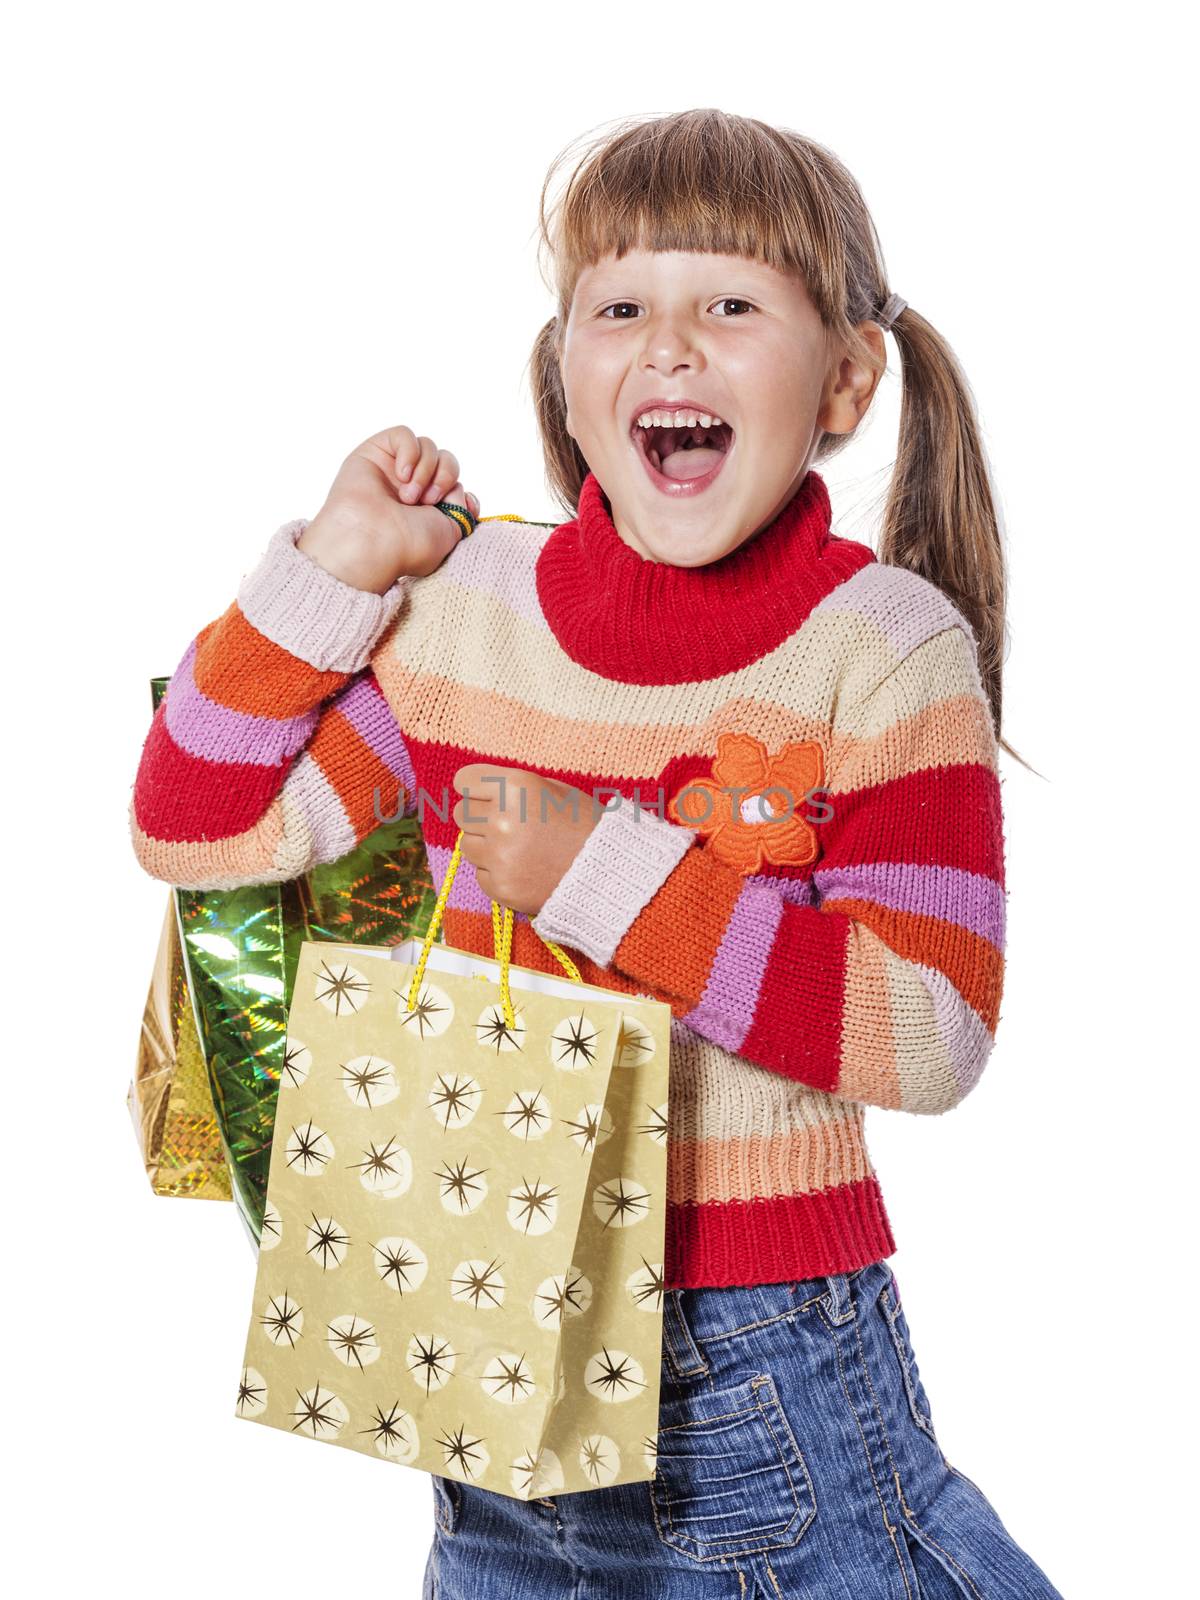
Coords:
733,354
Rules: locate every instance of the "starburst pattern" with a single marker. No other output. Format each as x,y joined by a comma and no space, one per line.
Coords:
566,1294
493,1029
656,1128
573,1044
464,1455
454,1100
252,1393
508,1378
480,1282
297,1060
430,1361
308,1149
283,1320
431,1015
341,988
536,1475
272,1227
647,1286
462,1186
353,1341
392,1430
527,1116
400,1264
370,1081
385,1169
621,1203
635,1043
533,1207
327,1243
599,1459
650,1451
590,1126
366,1341
319,1413
614,1375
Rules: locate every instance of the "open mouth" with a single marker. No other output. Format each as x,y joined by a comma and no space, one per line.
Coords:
683,460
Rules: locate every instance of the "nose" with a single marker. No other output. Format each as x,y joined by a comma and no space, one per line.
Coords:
669,346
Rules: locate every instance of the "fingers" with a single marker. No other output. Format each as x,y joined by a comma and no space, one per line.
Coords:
432,476
423,474
463,497
400,446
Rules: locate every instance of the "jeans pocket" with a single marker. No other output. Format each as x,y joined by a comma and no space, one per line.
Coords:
447,1502
730,1478
897,1324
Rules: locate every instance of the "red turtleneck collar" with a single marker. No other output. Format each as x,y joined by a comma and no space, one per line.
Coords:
640,621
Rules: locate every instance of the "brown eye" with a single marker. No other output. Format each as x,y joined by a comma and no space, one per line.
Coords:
620,305
732,300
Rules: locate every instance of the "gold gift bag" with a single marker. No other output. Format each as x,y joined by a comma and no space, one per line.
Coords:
169,1097
462,1263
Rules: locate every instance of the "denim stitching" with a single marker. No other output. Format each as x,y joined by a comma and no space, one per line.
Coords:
891,1311
727,1561
887,1522
656,1484
749,1327
769,1383
675,1328
825,1304
911,1516
447,1520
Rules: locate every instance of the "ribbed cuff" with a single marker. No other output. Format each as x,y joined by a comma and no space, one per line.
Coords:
627,858
305,610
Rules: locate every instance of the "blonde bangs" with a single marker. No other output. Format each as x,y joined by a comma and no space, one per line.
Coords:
695,181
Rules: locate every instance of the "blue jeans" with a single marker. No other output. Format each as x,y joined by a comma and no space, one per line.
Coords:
797,1459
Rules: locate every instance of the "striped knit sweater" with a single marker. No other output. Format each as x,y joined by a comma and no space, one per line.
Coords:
805,859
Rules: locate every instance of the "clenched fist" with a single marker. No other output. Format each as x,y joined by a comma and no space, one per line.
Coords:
521,831
378,521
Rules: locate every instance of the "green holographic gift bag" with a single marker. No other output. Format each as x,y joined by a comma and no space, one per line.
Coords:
240,949
462,1260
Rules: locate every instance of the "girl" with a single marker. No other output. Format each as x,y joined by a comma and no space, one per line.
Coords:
727,758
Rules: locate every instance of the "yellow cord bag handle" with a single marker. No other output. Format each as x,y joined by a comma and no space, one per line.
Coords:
502,928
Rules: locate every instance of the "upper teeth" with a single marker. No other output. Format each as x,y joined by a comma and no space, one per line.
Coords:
678,419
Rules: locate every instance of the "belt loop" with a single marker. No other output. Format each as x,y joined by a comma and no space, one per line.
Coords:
838,1298
678,1345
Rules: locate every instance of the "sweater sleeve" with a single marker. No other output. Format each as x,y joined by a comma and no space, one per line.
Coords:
273,748
884,988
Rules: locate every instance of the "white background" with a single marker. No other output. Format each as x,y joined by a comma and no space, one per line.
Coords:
241,239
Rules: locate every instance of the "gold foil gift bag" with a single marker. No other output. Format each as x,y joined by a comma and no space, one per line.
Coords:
462,1263
169,1097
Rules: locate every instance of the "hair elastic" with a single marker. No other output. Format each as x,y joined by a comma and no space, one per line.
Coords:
889,311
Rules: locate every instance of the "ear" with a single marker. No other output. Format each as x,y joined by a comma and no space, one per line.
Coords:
850,385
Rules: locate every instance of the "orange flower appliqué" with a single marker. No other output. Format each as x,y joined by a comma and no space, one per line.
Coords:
751,810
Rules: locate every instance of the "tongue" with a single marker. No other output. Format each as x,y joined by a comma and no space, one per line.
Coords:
690,463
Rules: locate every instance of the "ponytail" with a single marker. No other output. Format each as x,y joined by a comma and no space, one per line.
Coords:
940,518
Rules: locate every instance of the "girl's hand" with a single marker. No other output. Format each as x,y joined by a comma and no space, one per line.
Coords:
521,831
378,521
